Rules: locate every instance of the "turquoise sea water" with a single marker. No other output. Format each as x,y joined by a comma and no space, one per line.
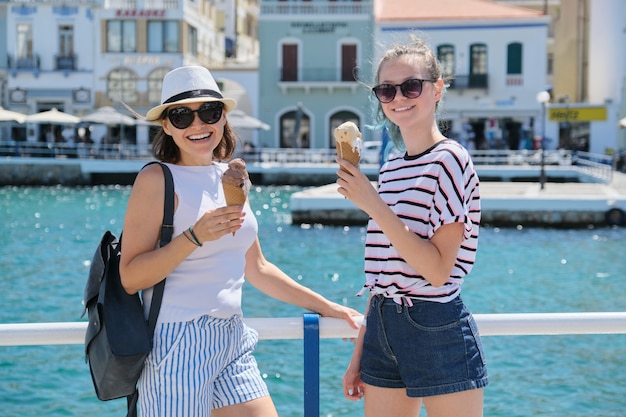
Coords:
50,233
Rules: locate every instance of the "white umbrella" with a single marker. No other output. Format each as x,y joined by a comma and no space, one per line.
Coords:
239,120
107,115
52,116
11,116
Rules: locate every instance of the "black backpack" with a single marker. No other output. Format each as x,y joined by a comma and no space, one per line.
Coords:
118,337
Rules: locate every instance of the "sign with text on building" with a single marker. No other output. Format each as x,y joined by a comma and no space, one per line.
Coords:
576,114
145,13
318,27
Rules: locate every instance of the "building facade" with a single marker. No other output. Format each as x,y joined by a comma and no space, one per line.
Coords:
313,57
78,56
494,56
586,72
305,66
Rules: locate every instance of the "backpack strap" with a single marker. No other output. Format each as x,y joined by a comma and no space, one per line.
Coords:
167,229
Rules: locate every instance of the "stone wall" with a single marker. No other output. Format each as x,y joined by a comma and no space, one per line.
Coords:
42,174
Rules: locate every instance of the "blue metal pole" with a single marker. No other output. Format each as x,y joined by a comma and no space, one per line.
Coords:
542,175
311,365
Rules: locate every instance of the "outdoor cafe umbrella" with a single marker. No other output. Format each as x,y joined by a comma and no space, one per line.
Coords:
240,120
11,116
107,115
53,116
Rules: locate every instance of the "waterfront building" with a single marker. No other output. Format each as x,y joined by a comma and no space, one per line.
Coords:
313,56
305,65
47,58
495,56
586,72
78,56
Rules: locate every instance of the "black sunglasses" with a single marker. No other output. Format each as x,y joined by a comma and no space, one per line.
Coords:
411,88
209,113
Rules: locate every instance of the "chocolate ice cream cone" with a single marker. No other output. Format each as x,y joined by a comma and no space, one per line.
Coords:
236,183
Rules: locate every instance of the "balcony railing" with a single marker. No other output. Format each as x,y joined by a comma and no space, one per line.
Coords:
597,166
472,81
143,4
352,8
24,63
305,75
56,2
66,63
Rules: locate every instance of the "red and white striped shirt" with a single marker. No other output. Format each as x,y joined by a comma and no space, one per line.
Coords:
426,191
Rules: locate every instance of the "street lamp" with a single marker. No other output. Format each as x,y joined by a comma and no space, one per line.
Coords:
543,97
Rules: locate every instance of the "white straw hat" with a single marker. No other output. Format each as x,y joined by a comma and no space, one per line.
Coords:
191,84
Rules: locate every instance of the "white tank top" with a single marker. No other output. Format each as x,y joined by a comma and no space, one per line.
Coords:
209,281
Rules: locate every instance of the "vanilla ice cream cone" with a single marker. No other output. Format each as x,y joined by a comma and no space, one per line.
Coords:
348,142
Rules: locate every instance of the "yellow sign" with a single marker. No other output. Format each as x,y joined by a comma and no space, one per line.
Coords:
576,114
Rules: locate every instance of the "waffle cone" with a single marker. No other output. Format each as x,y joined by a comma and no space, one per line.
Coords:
347,152
235,196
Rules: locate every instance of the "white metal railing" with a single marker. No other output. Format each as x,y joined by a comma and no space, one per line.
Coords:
522,324
311,328
597,166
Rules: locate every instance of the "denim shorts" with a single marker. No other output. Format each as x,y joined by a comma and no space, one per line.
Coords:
429,348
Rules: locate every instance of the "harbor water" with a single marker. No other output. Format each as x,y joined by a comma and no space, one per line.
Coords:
50,234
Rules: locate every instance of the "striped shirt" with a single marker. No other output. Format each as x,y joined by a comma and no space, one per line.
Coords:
426,191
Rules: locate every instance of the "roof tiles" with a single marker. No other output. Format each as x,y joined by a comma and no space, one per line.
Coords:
434,10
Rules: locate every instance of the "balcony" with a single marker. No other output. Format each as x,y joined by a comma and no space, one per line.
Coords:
472,81
363,8
145,5
65,63
307,78
24,62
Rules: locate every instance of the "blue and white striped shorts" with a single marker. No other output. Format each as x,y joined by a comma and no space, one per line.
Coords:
198,366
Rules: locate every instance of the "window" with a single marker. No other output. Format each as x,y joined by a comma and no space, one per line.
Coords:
478,57
192,41
162,36
514,58
122,85
65,59
121,36
290,63
294,129
155,82
478,66
445,55
348,62
66,41
24,41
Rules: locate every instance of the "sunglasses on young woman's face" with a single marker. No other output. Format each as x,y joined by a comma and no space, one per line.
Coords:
411,88
209,113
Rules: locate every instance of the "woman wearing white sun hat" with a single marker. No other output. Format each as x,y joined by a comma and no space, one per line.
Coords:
202,362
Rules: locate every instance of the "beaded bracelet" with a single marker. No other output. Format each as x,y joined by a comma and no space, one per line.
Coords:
193,235
189,237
